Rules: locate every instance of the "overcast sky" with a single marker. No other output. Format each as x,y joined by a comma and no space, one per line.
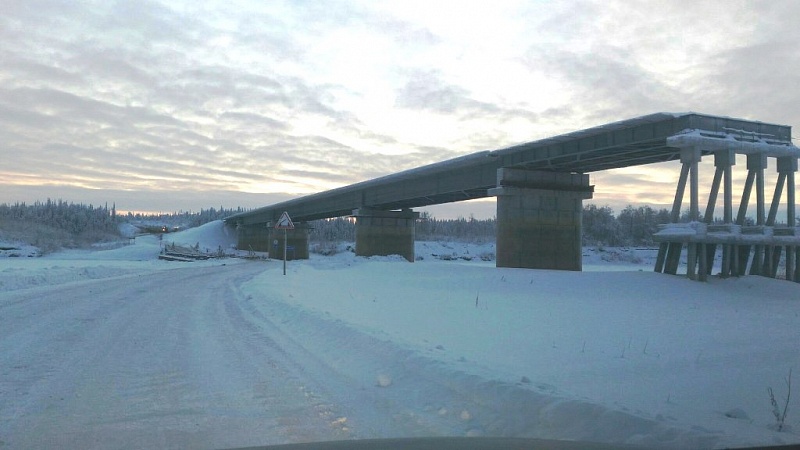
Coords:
164,106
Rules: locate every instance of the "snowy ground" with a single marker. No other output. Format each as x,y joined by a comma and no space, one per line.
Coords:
116,349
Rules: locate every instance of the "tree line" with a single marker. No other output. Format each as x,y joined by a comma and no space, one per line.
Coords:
632,226
601,226
73,218
53,224
188,219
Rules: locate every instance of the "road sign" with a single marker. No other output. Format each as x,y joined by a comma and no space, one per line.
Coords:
284,223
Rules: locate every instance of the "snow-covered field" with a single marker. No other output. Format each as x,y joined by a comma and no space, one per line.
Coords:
116,349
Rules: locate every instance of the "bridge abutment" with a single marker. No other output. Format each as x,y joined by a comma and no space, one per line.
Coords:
539,217
252,237
296,242
380,232
265,238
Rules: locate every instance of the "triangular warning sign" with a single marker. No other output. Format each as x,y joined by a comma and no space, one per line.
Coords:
284,223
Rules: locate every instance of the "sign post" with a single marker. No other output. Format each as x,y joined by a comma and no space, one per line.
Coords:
284,223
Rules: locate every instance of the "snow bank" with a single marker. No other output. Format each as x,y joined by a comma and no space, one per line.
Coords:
15,278
624,356
594,257
128,230
615,353
209,237
138,257
451,251
13,249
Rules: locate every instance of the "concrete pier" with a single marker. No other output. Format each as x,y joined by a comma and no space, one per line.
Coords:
381,232
265,238
296,242
253,237
539,217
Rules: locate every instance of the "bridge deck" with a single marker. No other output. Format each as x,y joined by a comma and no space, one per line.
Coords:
643,140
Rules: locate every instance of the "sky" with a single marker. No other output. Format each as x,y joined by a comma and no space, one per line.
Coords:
177,106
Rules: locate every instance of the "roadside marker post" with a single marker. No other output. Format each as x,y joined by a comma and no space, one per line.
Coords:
284,223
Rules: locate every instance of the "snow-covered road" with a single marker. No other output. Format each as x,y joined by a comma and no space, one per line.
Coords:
182,358
153,361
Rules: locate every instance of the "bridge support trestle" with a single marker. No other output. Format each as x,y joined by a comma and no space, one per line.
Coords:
539,217
381,233
759,246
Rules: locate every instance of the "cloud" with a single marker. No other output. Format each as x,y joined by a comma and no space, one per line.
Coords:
252,120
131,95
606,82
293,98
150,21
755,78
619,59
426,91
36,74
131,200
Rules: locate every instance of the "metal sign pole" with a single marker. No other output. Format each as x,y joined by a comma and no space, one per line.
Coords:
285,223
284,251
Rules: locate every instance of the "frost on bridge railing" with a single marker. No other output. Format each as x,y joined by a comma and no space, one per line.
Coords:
740,141
738,129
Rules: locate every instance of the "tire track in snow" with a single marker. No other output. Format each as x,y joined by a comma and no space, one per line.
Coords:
420,397
427,397
189,358
256,375
145,362
337,396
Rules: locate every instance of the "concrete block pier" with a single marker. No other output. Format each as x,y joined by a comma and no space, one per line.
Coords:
253,237
539,217
264,238
296,242
381,233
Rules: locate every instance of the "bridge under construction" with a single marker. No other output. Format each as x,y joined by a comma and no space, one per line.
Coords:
540,187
